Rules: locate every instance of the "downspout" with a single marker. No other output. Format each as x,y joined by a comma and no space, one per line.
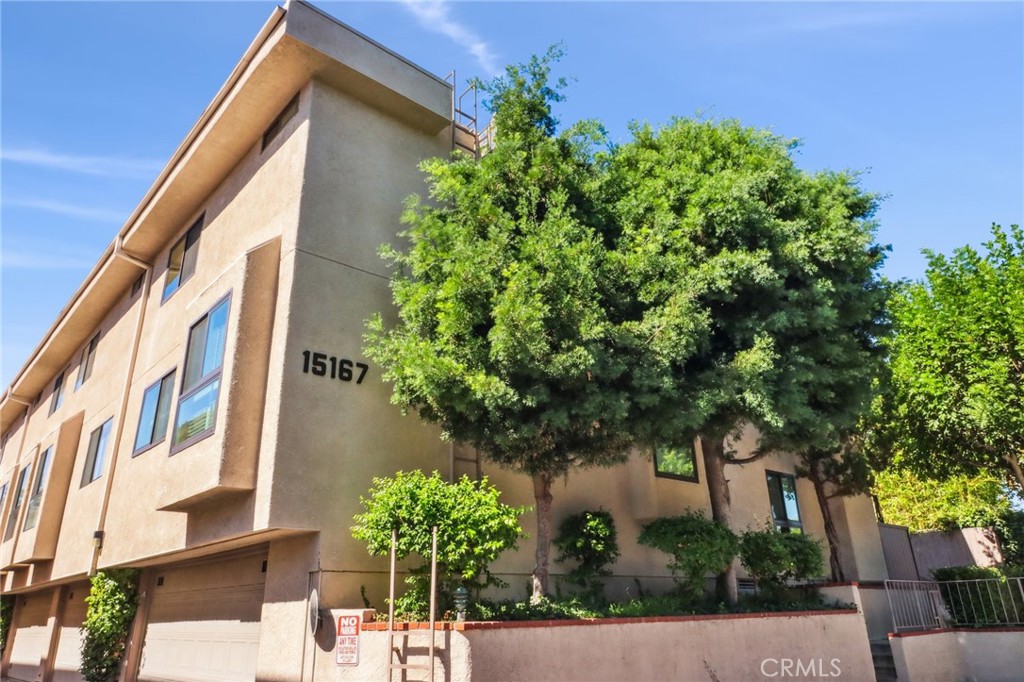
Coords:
119,252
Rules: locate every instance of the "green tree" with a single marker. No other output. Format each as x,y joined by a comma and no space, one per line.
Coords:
473,530
955,403
760,284
960,501
504,336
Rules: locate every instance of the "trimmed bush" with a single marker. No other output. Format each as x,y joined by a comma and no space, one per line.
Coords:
698,546
773,558
588,538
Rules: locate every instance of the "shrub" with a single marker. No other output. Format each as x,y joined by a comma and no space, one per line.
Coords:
112,601
773,558
6,611
697,545
473,530
590,539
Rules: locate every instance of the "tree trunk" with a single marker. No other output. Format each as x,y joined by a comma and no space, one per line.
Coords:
718,489
1013,464
834,558
542,495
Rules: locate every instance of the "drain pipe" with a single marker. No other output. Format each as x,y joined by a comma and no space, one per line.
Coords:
98,535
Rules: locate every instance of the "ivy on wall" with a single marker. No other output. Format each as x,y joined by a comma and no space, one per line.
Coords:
112,602
6,613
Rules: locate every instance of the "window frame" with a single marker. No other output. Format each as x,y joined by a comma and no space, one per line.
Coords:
182,277
92,455
57,396
17,502
38,486
677,477
88,360
158,383
184,392
786,525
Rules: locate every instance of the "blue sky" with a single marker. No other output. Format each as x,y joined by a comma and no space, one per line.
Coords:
927,100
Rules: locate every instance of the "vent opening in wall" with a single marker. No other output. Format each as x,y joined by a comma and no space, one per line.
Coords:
277,126
159,581
263,568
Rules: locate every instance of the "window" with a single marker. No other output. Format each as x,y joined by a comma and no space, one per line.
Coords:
58,393
97,453
3,498
200,386
19,496
277,126
156,408
678,463
137,285
181,263
88,357
38,486
782,497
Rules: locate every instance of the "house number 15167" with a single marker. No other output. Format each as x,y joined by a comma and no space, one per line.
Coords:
323,365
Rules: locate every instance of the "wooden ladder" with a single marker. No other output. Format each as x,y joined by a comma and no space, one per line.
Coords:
391,665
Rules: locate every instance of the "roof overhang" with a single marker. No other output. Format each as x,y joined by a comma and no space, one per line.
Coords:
298,43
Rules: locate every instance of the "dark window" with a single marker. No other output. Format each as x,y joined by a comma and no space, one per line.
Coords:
19,497
137,285
156,409
58,393
200,386
38,486
88,358
678,463
97,453
181,263
782,497
277,126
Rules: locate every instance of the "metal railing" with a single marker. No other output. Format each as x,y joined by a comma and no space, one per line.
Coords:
984,602
929,605
915,605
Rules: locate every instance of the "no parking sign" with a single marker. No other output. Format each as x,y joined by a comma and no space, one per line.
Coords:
349,625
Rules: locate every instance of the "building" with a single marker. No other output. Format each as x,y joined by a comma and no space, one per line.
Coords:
201,408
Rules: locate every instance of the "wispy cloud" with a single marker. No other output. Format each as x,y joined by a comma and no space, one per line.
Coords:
14,259
434,16
825,19
103,215
110,166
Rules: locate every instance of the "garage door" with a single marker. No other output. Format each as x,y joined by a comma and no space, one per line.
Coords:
204,622
31,636
69,646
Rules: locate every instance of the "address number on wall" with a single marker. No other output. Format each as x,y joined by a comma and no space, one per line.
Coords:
324,365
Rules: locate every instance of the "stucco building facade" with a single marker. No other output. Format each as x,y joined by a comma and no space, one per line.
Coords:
202,409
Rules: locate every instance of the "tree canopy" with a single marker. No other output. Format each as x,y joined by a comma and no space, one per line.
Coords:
955,400
562,299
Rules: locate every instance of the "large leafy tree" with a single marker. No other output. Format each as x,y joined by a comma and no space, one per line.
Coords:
955,403
504,336
773,270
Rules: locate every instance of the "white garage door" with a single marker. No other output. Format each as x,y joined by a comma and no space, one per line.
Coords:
31,636
69,646
204,622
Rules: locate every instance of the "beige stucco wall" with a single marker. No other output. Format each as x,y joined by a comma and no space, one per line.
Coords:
959,656
826,645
